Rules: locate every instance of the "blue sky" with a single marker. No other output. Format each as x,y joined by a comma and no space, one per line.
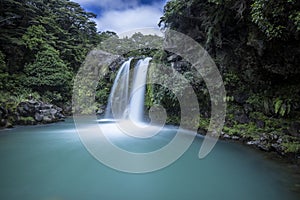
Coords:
124,15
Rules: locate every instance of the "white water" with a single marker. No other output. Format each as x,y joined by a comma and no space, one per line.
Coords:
118,98
137,97
120,104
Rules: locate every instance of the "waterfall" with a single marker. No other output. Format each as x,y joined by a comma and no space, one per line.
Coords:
137,97
118,98
126,100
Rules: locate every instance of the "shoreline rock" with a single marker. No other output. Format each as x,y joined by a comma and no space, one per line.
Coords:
30,112
266,143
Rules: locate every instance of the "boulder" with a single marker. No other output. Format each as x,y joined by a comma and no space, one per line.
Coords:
25,109
277,148
3,122
67,110
226,136
241,98
60,116
38,117
3,112
22,111
53,112
260,124
45,106
100,111
242,118
33,102
235,137
294,129
9,125
47,119
253,142
264,146
45,112
173,58
248,108
179,65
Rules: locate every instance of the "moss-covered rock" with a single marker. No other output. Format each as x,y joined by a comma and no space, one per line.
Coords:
26,121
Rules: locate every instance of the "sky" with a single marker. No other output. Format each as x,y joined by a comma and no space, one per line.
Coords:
121,16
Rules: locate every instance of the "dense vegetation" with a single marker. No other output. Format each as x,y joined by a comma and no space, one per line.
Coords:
43,42
255,44
42,45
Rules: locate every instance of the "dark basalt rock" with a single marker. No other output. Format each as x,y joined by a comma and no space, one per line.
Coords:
235,137
3,112
241,98
3,122
32,112
173,58
241,118
38,117
264,147
260,124
294,129
248,108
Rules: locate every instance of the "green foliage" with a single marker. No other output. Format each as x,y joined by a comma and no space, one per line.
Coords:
159,56
135,46
11,101
255,46
282,107
13,84
26,121
2,62
291,147
269,15
41,36
49,73
34,38
229,98
272,18
235,32
103,91
230,79
204,123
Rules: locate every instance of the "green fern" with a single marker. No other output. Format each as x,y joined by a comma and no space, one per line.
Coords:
278,103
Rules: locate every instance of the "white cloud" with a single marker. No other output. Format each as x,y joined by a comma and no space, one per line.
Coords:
109,4
127,20
124,15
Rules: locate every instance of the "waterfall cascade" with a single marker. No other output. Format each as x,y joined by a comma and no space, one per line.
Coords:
126,99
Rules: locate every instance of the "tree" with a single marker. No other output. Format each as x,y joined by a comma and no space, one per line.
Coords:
48,73
69,29
236,32
33,30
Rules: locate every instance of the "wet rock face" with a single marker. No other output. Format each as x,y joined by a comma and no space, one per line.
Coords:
30,113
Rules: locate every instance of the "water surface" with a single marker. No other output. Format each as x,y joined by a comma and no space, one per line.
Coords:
49,162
